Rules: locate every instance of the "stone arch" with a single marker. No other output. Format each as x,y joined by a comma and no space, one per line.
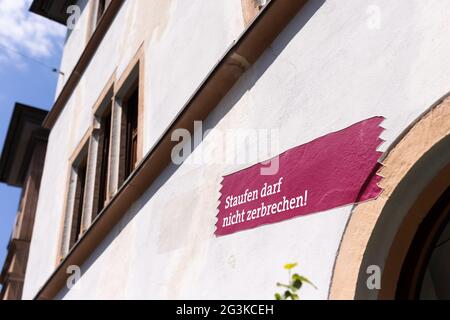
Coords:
416,173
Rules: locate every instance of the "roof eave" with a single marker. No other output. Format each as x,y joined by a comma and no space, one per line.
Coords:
44,9
22,113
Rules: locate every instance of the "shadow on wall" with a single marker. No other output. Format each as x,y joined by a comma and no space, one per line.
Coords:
184,226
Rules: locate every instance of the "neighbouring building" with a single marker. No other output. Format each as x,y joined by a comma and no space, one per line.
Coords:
118,218
21,165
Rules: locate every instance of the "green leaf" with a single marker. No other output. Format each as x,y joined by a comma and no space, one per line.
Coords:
287,295
297,284
290,266
304,280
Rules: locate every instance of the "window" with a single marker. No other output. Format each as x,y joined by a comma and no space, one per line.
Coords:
104,155
131,133
77,216
102,5
76,198
97,10
129,97
107,155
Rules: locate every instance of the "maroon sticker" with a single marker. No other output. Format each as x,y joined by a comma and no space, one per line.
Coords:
332,171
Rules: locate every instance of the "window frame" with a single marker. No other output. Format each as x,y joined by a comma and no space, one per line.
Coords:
103,109
80,155
104,155
112,99
76,223
95,16
100,8
129,133
132,79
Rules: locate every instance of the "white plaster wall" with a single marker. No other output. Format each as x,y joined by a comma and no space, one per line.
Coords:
332,66
173,77
75,40
138,22
48,221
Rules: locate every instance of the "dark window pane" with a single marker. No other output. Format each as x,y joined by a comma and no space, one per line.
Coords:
101,9
131,132
104,162
79,202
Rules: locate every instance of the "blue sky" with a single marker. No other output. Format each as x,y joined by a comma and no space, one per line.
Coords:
23,79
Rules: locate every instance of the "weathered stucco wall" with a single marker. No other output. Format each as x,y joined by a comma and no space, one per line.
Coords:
334,65
76,38
163,25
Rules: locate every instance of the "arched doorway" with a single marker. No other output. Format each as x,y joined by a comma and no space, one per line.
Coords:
425,272
404,230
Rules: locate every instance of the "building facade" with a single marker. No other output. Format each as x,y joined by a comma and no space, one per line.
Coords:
21,165
118,218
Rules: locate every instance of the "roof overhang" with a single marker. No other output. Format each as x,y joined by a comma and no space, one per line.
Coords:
25,129
55,10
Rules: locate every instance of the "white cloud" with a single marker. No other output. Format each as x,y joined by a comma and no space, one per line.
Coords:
26,33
